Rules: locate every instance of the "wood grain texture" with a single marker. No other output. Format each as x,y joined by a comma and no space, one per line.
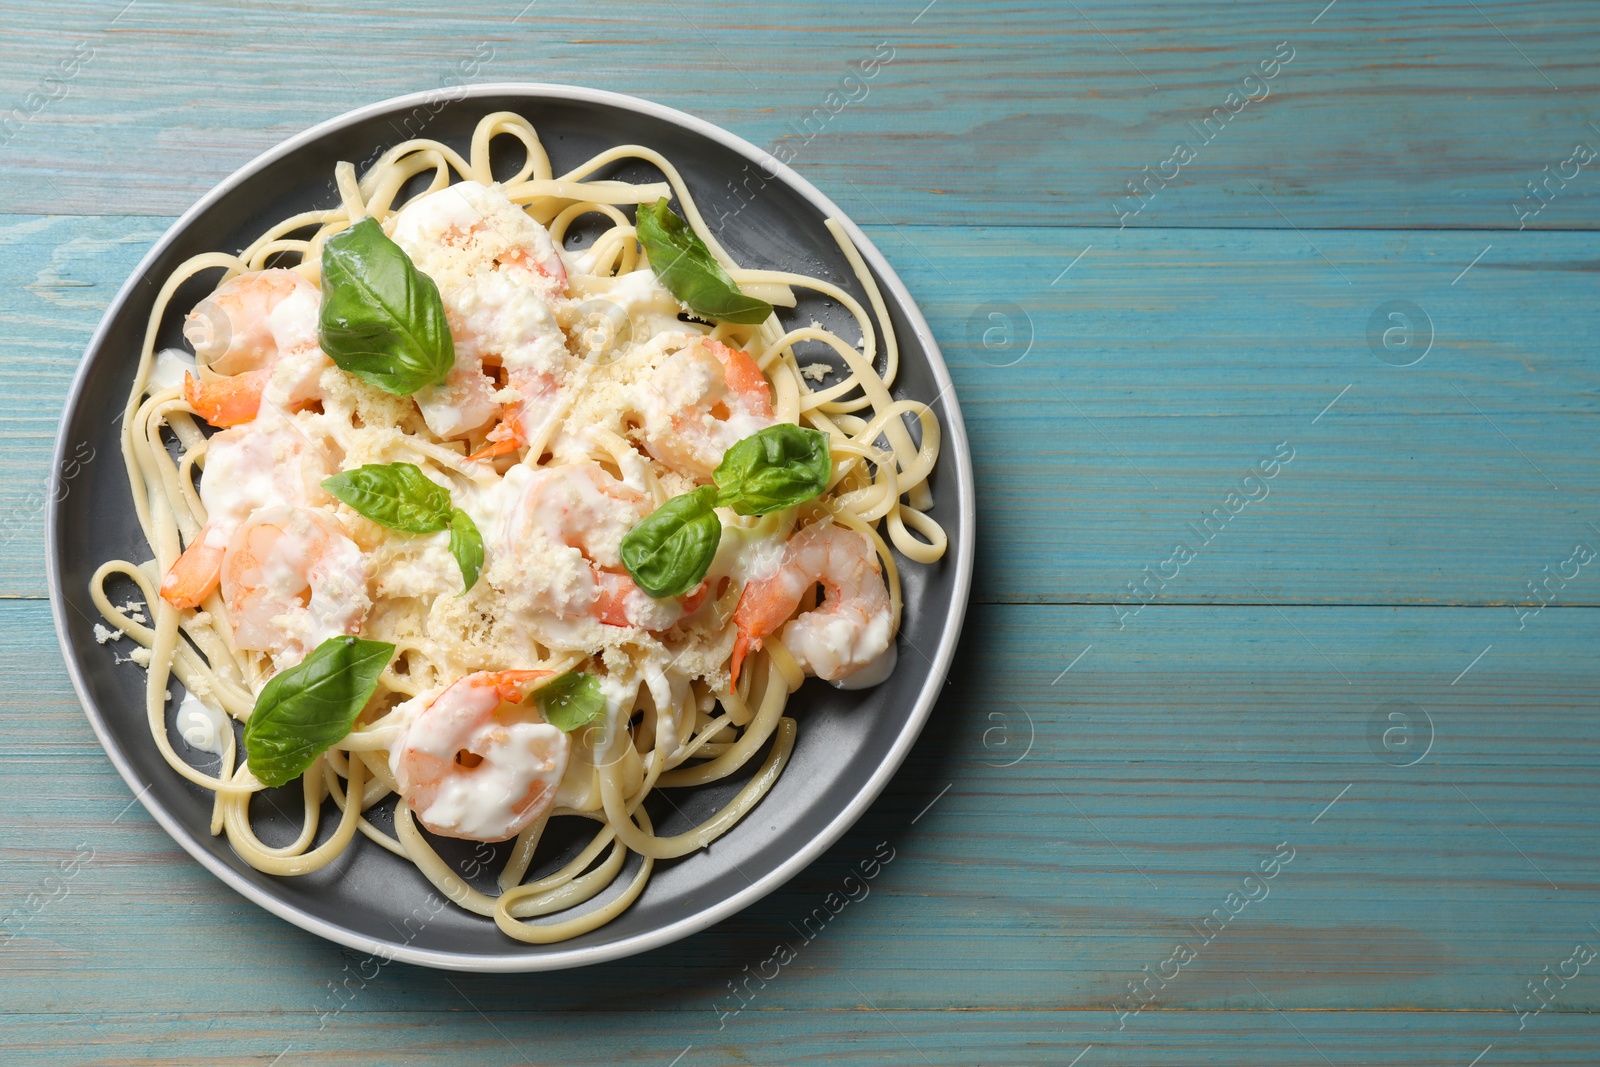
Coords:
860,1037
1388,115
1052,833
1098,777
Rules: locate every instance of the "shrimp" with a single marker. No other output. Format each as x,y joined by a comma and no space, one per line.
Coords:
620,602
533,404
498,273
704,399
258,333
576,504
476,763
266,463
849,630
568,522
292,579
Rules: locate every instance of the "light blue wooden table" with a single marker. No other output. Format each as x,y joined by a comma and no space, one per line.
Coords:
1371,675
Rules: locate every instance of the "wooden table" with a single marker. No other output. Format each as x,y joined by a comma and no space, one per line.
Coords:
1370,675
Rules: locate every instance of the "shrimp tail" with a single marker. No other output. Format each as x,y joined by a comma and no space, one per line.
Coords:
227,401
764,606
743,645
503,439
194,575
517,424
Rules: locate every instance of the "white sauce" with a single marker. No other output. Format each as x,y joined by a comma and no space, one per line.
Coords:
202,726
671,698
650,309
169,368
747,553
294,378
416,566
619,693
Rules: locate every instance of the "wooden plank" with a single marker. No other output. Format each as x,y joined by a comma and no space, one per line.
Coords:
1054,832
1388,114
1136,421
861,1037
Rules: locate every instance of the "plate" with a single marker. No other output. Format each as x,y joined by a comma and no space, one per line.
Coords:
850,743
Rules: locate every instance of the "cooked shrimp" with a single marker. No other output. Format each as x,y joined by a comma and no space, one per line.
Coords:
620,602
476,763
533,403
847,631
464,401
576,504
250,318
704,399
498,274
291,580
258,334
263,464
566,521
563,526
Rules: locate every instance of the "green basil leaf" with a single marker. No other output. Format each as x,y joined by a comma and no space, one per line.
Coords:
773,469
303,710
572,701
466,545
382,319
396,495
669,550
686,267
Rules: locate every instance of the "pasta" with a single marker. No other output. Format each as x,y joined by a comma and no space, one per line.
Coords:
478,536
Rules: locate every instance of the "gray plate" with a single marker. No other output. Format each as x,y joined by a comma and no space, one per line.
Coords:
849,743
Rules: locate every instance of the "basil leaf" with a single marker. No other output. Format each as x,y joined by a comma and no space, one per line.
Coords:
669,550
572,701
382,319
686,267
773,469
396,495
466,545
303,710
401,497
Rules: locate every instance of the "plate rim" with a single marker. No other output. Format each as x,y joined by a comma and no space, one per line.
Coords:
955,450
